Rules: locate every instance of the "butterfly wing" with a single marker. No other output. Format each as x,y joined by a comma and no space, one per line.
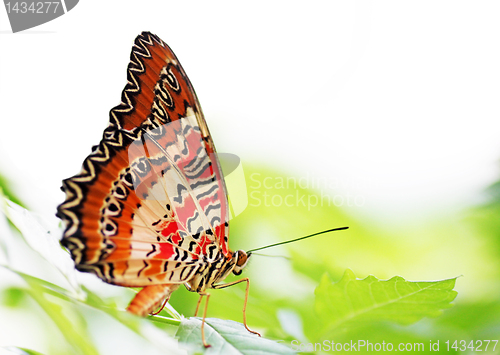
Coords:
150,204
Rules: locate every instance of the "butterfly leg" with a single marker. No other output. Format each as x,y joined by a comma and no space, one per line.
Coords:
150,298
198,306
161,308
204,316
246,299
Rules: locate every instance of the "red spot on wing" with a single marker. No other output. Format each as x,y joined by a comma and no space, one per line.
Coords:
176,238
220,231
166,251
171,228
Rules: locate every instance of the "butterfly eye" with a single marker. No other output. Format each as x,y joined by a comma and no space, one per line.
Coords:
242,259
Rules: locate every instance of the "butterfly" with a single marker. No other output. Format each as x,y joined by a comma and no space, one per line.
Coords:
149,207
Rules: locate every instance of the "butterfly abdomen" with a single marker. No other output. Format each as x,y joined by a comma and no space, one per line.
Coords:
150,298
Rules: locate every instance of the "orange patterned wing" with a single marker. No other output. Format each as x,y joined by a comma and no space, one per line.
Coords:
150,204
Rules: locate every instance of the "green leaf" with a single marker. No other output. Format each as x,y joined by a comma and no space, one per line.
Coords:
7,191
43,241
20,351
225,337
352,302
75,332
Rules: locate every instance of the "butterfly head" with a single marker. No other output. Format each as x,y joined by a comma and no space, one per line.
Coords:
241,258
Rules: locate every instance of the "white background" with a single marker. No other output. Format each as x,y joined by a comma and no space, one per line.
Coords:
396,102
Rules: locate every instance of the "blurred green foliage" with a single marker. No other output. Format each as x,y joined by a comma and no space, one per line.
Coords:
283,304
6,190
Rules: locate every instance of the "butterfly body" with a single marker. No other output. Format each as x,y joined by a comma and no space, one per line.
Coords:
149,207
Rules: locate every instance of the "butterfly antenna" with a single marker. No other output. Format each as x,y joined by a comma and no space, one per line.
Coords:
295,240
273,256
